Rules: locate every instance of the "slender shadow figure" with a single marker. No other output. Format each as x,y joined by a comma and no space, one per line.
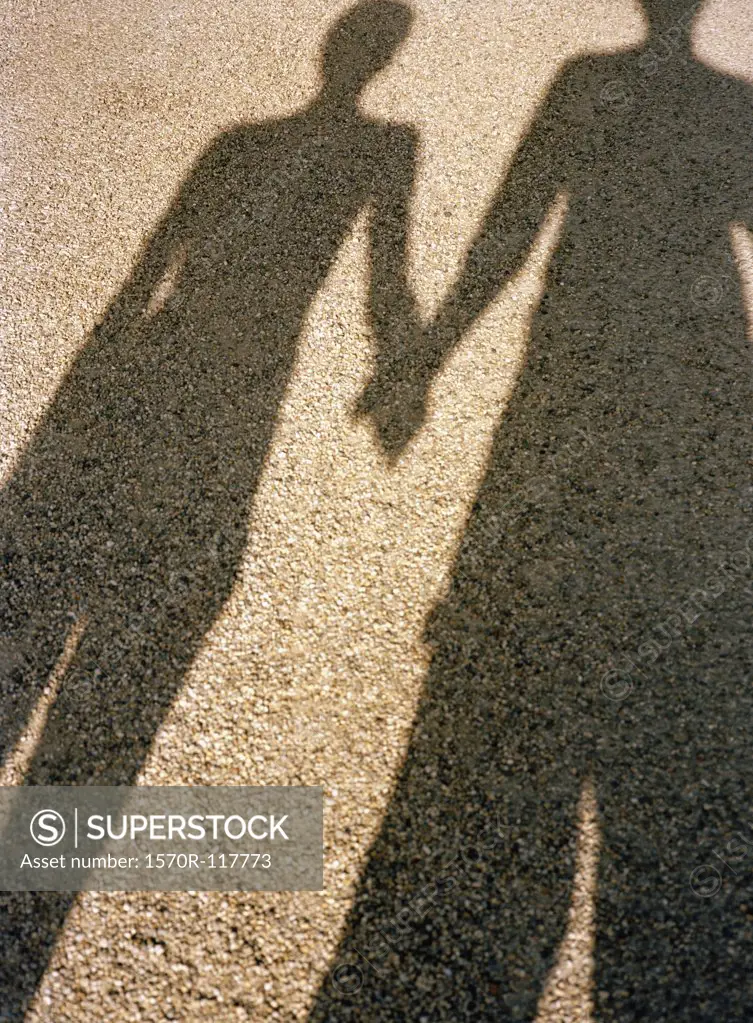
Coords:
597,630
130,507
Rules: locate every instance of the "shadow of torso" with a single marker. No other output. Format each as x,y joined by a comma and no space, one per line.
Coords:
131,503
620,468
129,508
588,630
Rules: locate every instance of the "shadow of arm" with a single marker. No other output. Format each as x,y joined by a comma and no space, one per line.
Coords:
165,249
536,176
394,315
393,309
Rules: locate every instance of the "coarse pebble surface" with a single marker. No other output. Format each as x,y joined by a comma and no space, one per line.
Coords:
505,621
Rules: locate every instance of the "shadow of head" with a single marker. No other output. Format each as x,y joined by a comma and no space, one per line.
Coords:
666,15
362,43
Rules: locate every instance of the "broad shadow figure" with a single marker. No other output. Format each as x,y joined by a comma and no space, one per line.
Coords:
129,510
597,630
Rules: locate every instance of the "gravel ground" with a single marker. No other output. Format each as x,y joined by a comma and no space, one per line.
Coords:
216,573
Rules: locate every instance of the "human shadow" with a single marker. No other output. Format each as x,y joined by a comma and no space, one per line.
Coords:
129,510
597,628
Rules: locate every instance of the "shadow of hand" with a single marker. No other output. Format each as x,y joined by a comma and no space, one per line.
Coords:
396,407
395,398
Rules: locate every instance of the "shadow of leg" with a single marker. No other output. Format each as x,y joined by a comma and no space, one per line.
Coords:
465,895
114,695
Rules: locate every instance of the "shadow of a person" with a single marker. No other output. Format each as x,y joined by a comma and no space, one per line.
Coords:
130,506
597,631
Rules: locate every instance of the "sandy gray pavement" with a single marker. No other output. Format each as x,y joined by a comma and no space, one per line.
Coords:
305,654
